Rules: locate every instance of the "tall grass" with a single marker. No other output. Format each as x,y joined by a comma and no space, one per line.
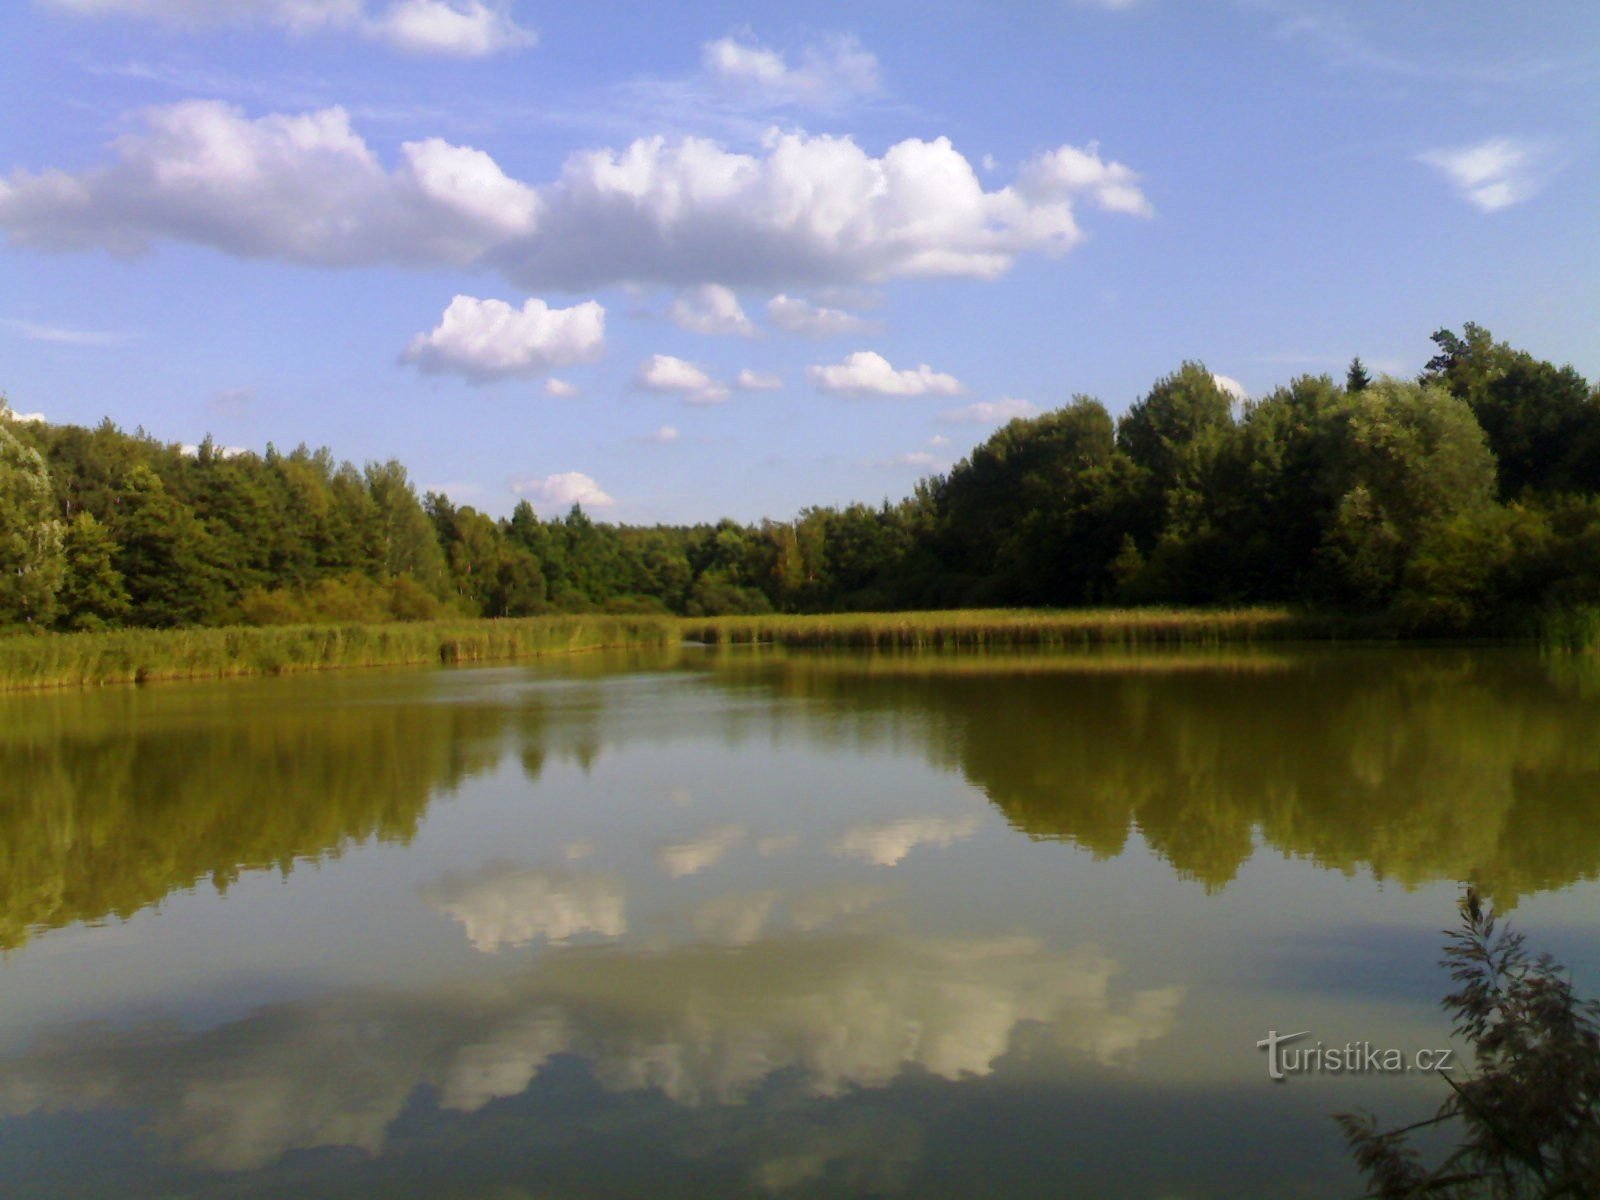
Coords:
983,628
138,655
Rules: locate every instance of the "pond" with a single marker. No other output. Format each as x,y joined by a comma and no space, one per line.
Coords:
709,923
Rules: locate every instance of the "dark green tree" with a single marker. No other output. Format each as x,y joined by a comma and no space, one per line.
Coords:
1356,378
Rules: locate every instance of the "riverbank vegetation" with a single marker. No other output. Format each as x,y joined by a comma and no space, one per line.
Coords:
1002,628
141,655
1464,502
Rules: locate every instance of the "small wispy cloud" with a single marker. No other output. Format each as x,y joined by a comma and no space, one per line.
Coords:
452,28
824,74
757,381
991,412
1494,174
560,491
63,335
867,373
666,375
710,309
792,314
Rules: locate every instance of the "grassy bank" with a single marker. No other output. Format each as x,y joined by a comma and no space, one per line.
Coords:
976,628
137,655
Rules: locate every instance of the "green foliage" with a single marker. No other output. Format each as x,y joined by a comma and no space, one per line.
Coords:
1463,504
31,561
1529,1119
1404,461
1542,421
93,594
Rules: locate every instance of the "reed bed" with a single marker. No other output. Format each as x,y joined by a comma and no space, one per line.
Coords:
1004,628
140,655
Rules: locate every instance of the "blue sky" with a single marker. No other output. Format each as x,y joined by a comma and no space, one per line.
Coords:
708,259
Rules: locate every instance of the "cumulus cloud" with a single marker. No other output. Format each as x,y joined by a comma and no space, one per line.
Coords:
459,28
826,74
488,339
664,436
21,418
1494,174
666,375
794,315
991,412
703,850
886,843
507,905
562,491
711,309
804,209
561,389
867,373
305,189
757,381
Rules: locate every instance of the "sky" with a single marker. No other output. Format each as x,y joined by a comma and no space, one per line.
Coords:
681,262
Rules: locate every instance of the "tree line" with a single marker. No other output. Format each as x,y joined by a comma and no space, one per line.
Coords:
1462,501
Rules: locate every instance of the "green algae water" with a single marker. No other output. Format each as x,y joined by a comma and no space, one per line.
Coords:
747,923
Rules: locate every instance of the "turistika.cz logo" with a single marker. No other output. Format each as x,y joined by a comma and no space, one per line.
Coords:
1351,1058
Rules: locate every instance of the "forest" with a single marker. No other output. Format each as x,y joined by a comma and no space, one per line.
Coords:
1463,502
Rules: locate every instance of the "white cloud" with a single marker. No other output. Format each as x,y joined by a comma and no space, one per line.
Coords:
561,389
757,381
1230,385
705,849
938,439
710,309
795,315
33,418
664,436
507,905
885,844
303,189
804,210
562,491
991,412
488,339
662,373
459,28
1068,172
191,451
827,74
866,373
1494,174
65,336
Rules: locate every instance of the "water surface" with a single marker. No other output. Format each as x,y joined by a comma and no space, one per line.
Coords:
748,923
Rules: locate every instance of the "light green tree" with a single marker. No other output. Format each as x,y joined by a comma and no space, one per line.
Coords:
31,562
